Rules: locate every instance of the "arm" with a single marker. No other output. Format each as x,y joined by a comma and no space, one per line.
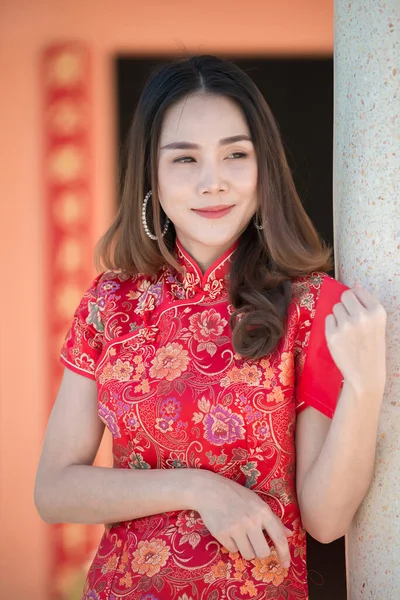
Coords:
335,459
69,489
335,462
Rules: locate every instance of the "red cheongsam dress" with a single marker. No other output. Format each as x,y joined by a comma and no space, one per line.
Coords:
174,394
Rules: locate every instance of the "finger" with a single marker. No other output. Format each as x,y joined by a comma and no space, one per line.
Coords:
259,543
229,544
276,532
330,325
351,303
245,546
367,299
341,314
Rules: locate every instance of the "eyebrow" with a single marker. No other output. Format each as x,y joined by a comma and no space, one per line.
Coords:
189,146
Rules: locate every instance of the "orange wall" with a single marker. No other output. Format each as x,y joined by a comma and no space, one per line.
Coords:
109,27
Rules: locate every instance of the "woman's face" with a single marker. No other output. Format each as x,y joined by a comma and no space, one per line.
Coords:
202,166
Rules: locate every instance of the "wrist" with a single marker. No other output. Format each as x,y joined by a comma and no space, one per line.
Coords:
198,485
367,389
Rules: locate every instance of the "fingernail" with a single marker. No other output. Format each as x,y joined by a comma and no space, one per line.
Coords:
286,564
288,531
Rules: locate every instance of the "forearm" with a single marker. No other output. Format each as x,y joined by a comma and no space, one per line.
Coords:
337,482
88,494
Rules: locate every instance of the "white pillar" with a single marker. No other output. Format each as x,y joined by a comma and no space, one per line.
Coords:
367,250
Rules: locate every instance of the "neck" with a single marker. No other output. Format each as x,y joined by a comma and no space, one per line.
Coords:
204,256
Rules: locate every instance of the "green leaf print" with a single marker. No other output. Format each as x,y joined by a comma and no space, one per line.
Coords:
94,317
137,462
249,469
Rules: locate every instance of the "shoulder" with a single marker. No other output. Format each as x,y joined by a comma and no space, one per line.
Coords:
309,290
125,300
119,284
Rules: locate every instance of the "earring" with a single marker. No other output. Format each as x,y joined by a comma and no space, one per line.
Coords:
145,226
256,225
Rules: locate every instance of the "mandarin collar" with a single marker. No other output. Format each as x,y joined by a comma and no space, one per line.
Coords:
193,281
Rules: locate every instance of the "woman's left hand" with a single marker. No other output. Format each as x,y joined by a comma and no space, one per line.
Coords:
355,335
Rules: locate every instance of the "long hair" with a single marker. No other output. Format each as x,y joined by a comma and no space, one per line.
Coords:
265,261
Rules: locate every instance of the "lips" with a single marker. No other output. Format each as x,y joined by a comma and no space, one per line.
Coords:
213,208
213,212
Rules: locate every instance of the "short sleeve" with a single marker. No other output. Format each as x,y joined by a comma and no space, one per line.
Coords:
84,340
318,379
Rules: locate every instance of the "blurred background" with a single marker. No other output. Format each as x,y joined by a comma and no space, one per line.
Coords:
71,74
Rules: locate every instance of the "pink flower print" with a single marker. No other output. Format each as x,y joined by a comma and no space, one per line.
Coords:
251,374
188,522
189,525
251,415
108,287
85,362
170,408
131,421
287,367
234,375
106,373
207,326
163,425
108,417
169,362
222,426
121,407
261,430
150,557
270,569
123,370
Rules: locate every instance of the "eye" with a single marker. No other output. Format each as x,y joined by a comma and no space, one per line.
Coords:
238,155
183,159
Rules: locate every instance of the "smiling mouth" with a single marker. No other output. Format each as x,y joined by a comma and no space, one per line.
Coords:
214,212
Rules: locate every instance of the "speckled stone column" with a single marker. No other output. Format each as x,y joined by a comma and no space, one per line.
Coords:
367,250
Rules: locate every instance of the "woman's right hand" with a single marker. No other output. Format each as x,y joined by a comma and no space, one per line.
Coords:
236,516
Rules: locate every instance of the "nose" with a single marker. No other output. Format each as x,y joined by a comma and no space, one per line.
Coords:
211,180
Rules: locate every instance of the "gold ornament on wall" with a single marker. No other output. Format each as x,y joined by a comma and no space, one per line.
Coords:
70,255
70,208
67,164
66,117
66,299
66,69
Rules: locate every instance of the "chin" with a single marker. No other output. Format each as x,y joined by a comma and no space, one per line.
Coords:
210,234
215,240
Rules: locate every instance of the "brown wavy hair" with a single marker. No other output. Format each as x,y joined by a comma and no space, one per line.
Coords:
265,261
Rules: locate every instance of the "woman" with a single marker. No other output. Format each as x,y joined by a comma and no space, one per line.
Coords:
241,384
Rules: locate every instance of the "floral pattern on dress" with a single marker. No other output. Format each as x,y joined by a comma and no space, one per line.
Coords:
175,394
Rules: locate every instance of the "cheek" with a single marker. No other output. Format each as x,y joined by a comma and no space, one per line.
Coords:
171,192
245,180
171,180
163,177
